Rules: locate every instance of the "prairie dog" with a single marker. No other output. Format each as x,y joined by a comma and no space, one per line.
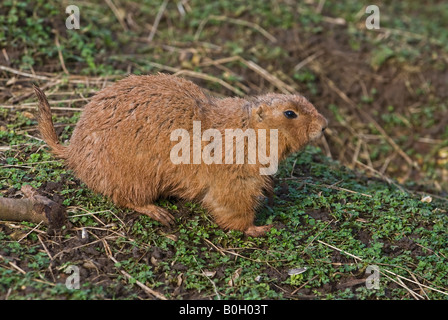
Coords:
122,145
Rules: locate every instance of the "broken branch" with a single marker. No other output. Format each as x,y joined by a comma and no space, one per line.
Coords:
34,208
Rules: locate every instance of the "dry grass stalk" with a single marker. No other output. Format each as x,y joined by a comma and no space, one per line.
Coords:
399,281
157,20
118,14
240,22
145,288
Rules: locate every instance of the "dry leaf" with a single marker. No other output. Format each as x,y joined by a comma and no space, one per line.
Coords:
88,264
28,115
18,234
210,274
11,81
292,272
235,276
180,279
154,261
171,237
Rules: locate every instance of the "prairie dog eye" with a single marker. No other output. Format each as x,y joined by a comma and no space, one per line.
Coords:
290,114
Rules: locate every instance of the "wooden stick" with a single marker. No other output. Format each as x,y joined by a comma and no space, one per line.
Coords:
35,208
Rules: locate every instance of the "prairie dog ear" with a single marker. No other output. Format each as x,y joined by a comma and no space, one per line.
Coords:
258,113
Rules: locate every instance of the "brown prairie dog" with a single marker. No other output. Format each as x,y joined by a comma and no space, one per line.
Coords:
122,146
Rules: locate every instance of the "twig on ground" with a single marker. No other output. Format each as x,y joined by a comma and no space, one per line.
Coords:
307,60
383,271
339,188
340,250
24,74
369,118
117,14
314,238
204,76
34,208
45,247
12,264
29,232
58,47
157,20
33,105
31,92
240,22
282,86
145,288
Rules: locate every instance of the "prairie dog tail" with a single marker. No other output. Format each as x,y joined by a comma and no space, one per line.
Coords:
45,125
